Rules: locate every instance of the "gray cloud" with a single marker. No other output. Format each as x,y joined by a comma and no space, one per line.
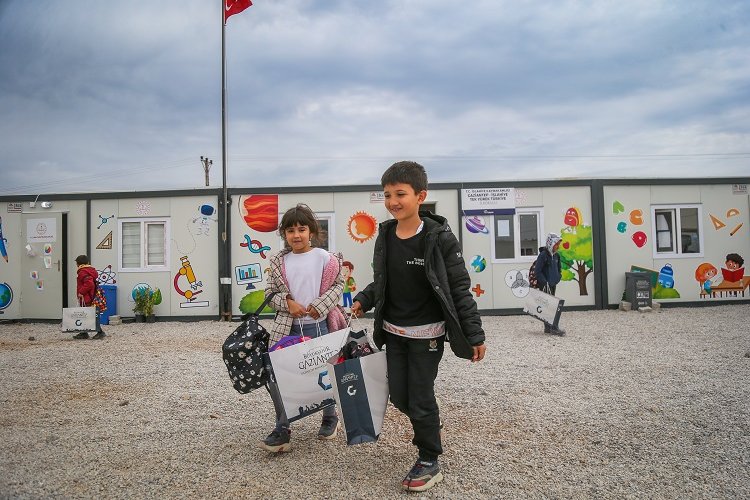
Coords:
96,95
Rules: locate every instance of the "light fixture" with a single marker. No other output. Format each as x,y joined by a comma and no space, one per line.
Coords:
32,204
46,204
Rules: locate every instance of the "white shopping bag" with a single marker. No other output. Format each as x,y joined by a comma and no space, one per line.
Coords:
78,319
360,386
543,306
301,374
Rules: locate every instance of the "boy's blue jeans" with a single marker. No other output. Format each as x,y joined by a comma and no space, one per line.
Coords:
308,330
412,369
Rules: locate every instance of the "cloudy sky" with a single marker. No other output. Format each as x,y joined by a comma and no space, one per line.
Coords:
126,95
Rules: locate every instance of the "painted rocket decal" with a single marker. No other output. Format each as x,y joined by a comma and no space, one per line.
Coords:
3,250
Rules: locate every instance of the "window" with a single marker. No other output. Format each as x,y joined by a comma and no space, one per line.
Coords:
677,231
144,245
517,236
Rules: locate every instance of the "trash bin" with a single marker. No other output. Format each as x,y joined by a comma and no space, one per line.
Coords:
638,289
110,293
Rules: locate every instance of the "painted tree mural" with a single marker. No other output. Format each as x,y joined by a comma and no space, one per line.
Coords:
577,255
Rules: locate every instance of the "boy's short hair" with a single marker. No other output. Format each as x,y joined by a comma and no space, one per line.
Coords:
81,260
304,216
406,172
735,257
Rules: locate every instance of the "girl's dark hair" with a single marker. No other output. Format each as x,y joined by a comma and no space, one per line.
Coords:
82,259
302,215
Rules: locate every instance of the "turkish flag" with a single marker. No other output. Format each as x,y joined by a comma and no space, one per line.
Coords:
232,7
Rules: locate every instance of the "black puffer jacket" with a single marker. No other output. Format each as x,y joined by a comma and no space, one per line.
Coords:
446,272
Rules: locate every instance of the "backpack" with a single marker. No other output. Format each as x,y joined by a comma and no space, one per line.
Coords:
533,282
243,353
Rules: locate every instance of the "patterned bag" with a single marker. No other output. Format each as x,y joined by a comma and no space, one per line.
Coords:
533,283
99,301
243,353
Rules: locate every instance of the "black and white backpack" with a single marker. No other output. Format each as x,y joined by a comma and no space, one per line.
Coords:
243,352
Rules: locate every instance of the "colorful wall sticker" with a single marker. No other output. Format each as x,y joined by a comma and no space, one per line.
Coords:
252,301
6,296
146,289
662,282
576,250
260,211
47,249
477,225
142,207
350,284
106,276
639,238
636,216
248,274
3,240
361,227
478,291
204,219
103,220
518,282
720,224
617,208
106,243
731,283
194,286
255,246
622,227
478,264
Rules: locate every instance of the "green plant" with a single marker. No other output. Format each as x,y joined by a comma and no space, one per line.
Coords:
145,300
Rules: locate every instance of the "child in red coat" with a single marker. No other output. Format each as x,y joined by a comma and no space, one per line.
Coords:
85,290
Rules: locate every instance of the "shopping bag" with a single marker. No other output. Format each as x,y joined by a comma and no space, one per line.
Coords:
543,306
360,386
243,352
301,374
78,319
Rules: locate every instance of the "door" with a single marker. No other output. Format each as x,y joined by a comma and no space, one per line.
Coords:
43,267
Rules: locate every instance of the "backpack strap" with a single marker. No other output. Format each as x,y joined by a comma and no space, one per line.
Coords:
262,306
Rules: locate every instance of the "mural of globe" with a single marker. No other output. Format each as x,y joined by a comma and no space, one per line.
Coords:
6,295
478,263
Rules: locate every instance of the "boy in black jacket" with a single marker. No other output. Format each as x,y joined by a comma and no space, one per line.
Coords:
421,298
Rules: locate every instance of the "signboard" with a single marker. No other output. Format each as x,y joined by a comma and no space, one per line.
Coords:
377,197
41,230
739,188
15,208
488,201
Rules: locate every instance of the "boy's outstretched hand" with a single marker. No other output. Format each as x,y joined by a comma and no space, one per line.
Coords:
478,353
357,309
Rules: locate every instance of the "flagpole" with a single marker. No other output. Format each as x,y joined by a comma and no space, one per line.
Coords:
226,299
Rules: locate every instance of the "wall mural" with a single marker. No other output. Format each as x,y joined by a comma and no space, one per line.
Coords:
477,225
260,211
576,250
662,282
350,285
106,243
6,296
635,217
255,246
106,276
3,240
478,264
478,291
720,224
198,226
103,220
518,282
361,227
252,301
194,288
145,288
731,283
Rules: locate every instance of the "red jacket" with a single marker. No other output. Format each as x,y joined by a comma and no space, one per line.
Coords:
86,283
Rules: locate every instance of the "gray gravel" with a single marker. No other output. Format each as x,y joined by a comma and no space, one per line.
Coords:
629,404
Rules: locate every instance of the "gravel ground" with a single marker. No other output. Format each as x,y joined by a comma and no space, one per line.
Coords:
628,404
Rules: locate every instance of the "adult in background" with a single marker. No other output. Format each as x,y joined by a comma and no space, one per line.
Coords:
85,290
548,271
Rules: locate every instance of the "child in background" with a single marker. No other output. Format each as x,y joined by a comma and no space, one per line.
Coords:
421,298
86,277
308,283
549,272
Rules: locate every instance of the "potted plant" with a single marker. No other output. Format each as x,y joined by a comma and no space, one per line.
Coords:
145,300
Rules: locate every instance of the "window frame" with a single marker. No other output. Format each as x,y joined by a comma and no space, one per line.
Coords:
144,223
676,231
539,211
331,218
